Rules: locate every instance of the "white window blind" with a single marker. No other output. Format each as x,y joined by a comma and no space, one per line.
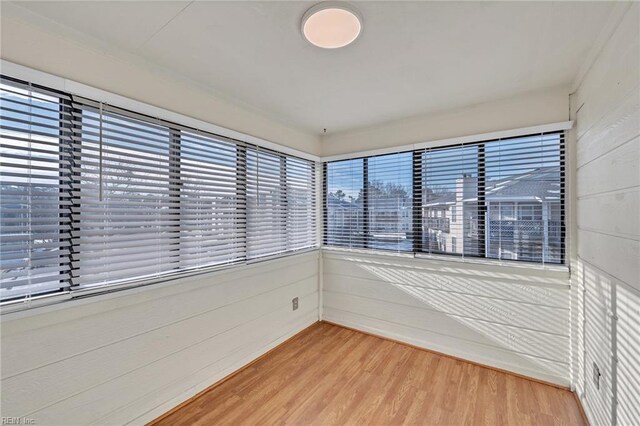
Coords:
390,202
94,195
267,204
35,199
449,179
369,202
344,204
127,196
212,174
301,191
524,196
281,203
500,199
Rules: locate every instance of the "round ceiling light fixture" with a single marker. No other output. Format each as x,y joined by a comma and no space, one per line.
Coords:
331,25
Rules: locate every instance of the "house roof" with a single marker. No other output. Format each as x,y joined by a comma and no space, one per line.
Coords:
444,199
334,201
536,185
539,184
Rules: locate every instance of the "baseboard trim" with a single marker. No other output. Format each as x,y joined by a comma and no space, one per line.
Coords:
522,376
227,377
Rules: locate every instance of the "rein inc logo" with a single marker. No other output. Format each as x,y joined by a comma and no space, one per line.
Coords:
18,420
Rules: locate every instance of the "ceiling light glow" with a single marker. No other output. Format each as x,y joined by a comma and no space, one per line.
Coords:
331,25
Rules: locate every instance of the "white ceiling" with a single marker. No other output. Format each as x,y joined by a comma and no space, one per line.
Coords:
412,58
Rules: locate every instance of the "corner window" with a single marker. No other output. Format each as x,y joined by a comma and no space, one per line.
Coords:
501,199
93,195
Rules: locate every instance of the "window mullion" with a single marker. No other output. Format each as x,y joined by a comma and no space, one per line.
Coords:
417,230
325,205
365,202
175,186
284,198
66,145
482,205
74,128
241,197
563,175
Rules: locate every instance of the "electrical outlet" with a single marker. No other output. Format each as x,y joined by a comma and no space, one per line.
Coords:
294,302
596,375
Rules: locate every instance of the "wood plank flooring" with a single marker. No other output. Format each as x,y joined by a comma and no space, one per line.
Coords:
331,375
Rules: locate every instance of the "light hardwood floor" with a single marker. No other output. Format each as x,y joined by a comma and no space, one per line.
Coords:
332,375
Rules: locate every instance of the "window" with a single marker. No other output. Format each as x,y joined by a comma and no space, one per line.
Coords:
500,199
449,182
344,204
369,203
389,197
301,192
94,195
35,200
281,203
266,198
212,201
525,183
127,208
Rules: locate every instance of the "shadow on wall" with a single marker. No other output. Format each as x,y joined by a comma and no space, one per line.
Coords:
517,317
608,342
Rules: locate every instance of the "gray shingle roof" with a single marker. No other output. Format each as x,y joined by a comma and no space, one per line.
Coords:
539,184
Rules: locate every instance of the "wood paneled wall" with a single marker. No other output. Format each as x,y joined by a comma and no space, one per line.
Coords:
133,355
606,279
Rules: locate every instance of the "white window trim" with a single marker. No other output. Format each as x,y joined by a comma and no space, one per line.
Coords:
46,303
502,134
443,258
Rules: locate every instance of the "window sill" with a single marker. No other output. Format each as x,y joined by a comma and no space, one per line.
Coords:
90,294
448,260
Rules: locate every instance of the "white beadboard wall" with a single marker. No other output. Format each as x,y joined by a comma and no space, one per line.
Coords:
606,283
511,317
130,356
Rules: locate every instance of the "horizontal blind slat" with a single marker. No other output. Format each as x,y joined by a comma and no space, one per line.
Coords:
35,192
98,194
501,199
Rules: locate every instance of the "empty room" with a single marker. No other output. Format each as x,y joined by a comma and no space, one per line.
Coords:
319,213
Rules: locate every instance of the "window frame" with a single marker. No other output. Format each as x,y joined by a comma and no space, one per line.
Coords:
70,108
63,149
417,234
56,84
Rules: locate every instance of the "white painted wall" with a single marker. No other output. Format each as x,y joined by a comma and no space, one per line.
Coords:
606,283
532,109
35,42
133,355
511,317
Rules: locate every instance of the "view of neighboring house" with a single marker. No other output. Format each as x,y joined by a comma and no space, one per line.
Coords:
389,223
345,218
523,216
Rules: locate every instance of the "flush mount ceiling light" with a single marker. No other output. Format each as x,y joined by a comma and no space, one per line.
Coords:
331,25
